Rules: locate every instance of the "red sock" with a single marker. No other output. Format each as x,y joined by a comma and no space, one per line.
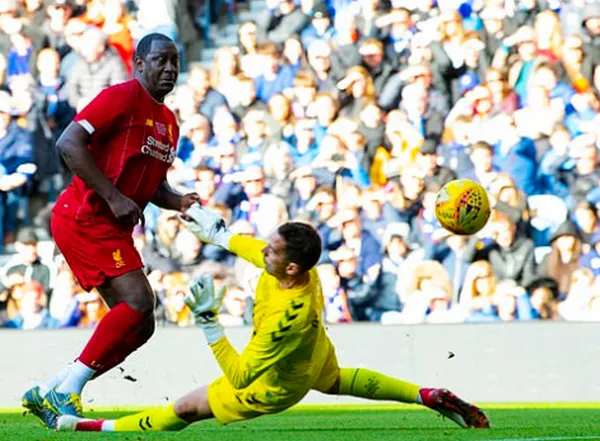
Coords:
426,398
130,344
116,326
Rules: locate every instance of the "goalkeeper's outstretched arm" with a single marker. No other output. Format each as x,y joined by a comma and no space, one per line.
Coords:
211,228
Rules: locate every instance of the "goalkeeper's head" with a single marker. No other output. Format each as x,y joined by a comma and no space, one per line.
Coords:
301,246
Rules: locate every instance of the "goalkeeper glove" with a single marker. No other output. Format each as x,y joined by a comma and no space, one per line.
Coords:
207,225
205,304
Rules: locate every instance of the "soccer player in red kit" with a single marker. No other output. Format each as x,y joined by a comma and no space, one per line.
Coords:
119,148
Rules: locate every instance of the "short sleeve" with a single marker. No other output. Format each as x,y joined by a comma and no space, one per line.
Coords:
104,110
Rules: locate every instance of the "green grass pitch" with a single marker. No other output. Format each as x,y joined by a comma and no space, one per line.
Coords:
349,423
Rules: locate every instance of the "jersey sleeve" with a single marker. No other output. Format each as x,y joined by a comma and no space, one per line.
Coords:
100,115
248,248
273,341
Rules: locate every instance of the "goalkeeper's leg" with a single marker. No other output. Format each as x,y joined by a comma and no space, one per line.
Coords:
188,409
365,383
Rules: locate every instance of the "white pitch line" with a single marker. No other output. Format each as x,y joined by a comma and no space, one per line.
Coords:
548,438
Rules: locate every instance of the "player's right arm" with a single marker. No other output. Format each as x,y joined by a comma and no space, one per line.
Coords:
73,146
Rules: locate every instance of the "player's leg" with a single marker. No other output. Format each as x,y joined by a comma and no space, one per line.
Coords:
186,410
365,383
126,327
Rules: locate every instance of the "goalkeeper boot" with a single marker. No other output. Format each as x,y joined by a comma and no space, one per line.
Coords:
462,413
63,404
33,401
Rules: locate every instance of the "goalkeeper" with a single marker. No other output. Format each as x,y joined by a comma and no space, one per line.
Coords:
289,353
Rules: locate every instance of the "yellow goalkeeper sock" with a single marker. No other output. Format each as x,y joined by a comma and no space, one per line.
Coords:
365,383
151,420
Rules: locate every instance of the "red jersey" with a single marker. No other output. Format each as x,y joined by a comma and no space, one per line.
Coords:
133,142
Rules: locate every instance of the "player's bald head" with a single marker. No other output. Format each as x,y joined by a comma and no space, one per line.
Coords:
145,45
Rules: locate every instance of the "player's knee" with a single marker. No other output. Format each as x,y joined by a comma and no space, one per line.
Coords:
143,302
148,327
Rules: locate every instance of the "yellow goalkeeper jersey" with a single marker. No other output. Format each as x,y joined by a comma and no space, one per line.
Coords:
289,346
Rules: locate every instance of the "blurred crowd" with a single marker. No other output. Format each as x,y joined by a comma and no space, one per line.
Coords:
349,114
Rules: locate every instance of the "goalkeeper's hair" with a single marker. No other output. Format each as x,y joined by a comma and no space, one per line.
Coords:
302,244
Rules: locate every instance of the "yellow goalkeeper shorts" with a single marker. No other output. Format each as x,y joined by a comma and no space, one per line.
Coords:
229,405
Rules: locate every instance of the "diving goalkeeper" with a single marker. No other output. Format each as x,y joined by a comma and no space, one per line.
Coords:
289,353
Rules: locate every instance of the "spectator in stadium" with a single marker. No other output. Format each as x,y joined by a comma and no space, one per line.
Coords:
579,179
399,258
511,255
247,41
477,295
323,67
364,245
419,287
564,257
539,117
448,52
16,166
576,305
451,250
505,197
245,98
504,99
578,66
428,122
494,28
258,206
397,30
585,218
117,26
26,265
280,20
223,74
275,77
320,26
336,301
591,31
427,160
591,258
373,60
176,289
161,253
357,89
304,183
99,67
548,34
32,312
345,39
543,298
91,309
208,100
482,157
54,28
360,292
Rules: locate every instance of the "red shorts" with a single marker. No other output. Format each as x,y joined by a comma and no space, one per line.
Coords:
95,251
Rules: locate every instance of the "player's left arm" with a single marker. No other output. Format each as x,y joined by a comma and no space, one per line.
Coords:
274,340
166,197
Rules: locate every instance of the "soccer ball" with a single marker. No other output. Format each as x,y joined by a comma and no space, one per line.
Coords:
462,207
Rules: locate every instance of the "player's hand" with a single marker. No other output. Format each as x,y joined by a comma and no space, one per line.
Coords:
125,210
205,302
188,200
207,225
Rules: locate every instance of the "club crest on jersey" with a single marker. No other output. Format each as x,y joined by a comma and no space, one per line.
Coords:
119,261
161,128
149,123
